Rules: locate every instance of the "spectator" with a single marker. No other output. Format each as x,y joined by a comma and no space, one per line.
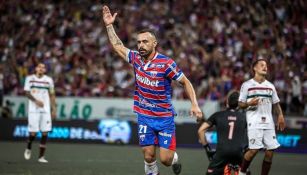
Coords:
215,39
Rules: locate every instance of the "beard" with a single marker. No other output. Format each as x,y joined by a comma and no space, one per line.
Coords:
145,53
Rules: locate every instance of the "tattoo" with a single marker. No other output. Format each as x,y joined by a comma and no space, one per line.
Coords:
115,41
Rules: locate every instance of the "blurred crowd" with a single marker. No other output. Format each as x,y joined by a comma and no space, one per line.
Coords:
212,41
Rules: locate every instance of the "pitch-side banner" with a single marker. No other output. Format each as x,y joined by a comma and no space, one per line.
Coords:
73,108
113,131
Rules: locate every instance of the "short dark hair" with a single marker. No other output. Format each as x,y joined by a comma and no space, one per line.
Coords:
233,99
257,61
152,32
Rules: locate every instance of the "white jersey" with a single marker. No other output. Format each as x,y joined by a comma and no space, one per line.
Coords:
39,88
259,117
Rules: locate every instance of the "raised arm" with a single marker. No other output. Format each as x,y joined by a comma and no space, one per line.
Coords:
117,44
189,90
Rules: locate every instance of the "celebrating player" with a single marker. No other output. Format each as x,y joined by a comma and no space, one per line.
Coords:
231,134
257,96
40,92
152,99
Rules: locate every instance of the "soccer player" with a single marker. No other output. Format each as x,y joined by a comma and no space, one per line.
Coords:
231,136
39,89
258,96
152,99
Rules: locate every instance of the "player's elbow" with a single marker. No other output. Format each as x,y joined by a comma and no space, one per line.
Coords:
201,131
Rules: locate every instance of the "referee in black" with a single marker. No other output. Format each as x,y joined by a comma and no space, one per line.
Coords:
231,137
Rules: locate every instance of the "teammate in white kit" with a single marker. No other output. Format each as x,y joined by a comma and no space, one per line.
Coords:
39,89
258,96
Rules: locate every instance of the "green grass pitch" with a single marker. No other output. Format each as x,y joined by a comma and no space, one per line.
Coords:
99,159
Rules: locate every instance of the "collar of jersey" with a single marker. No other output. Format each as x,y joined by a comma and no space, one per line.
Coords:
147,64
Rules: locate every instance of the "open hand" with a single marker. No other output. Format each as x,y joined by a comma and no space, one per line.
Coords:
253,102
281,125
107,16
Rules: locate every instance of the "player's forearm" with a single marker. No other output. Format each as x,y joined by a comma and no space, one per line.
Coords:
30,97
201,133
190,91
52,102
243,105
202,138
116,43
278,109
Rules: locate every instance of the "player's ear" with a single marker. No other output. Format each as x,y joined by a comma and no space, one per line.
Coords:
155,43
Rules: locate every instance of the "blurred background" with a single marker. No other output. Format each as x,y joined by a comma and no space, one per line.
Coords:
213,41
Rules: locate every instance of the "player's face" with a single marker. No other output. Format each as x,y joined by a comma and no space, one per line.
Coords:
261,68
146,44
40,69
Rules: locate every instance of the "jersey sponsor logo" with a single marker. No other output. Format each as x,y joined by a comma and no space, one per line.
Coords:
265,101
165,134
232,118
160,65
146,103
146,81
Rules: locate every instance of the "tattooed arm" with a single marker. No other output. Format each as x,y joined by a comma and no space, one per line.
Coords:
117,44
281,125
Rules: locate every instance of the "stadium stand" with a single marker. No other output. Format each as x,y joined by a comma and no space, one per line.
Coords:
213,41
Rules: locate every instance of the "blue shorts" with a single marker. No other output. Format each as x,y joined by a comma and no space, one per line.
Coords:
158,131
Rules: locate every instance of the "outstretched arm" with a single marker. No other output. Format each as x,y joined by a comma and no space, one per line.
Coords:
281,125
117,44
195,110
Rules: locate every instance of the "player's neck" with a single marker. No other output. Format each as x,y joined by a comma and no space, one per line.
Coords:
150,57
259,78
39,75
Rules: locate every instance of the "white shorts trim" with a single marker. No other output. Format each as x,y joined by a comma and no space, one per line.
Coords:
39,122
262,138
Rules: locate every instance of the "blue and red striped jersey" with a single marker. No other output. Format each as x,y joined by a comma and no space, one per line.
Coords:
153,91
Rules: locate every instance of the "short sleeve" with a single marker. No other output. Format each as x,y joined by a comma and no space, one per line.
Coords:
27,84
51,87
212,119
172,71
131,55
243,93
275,98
